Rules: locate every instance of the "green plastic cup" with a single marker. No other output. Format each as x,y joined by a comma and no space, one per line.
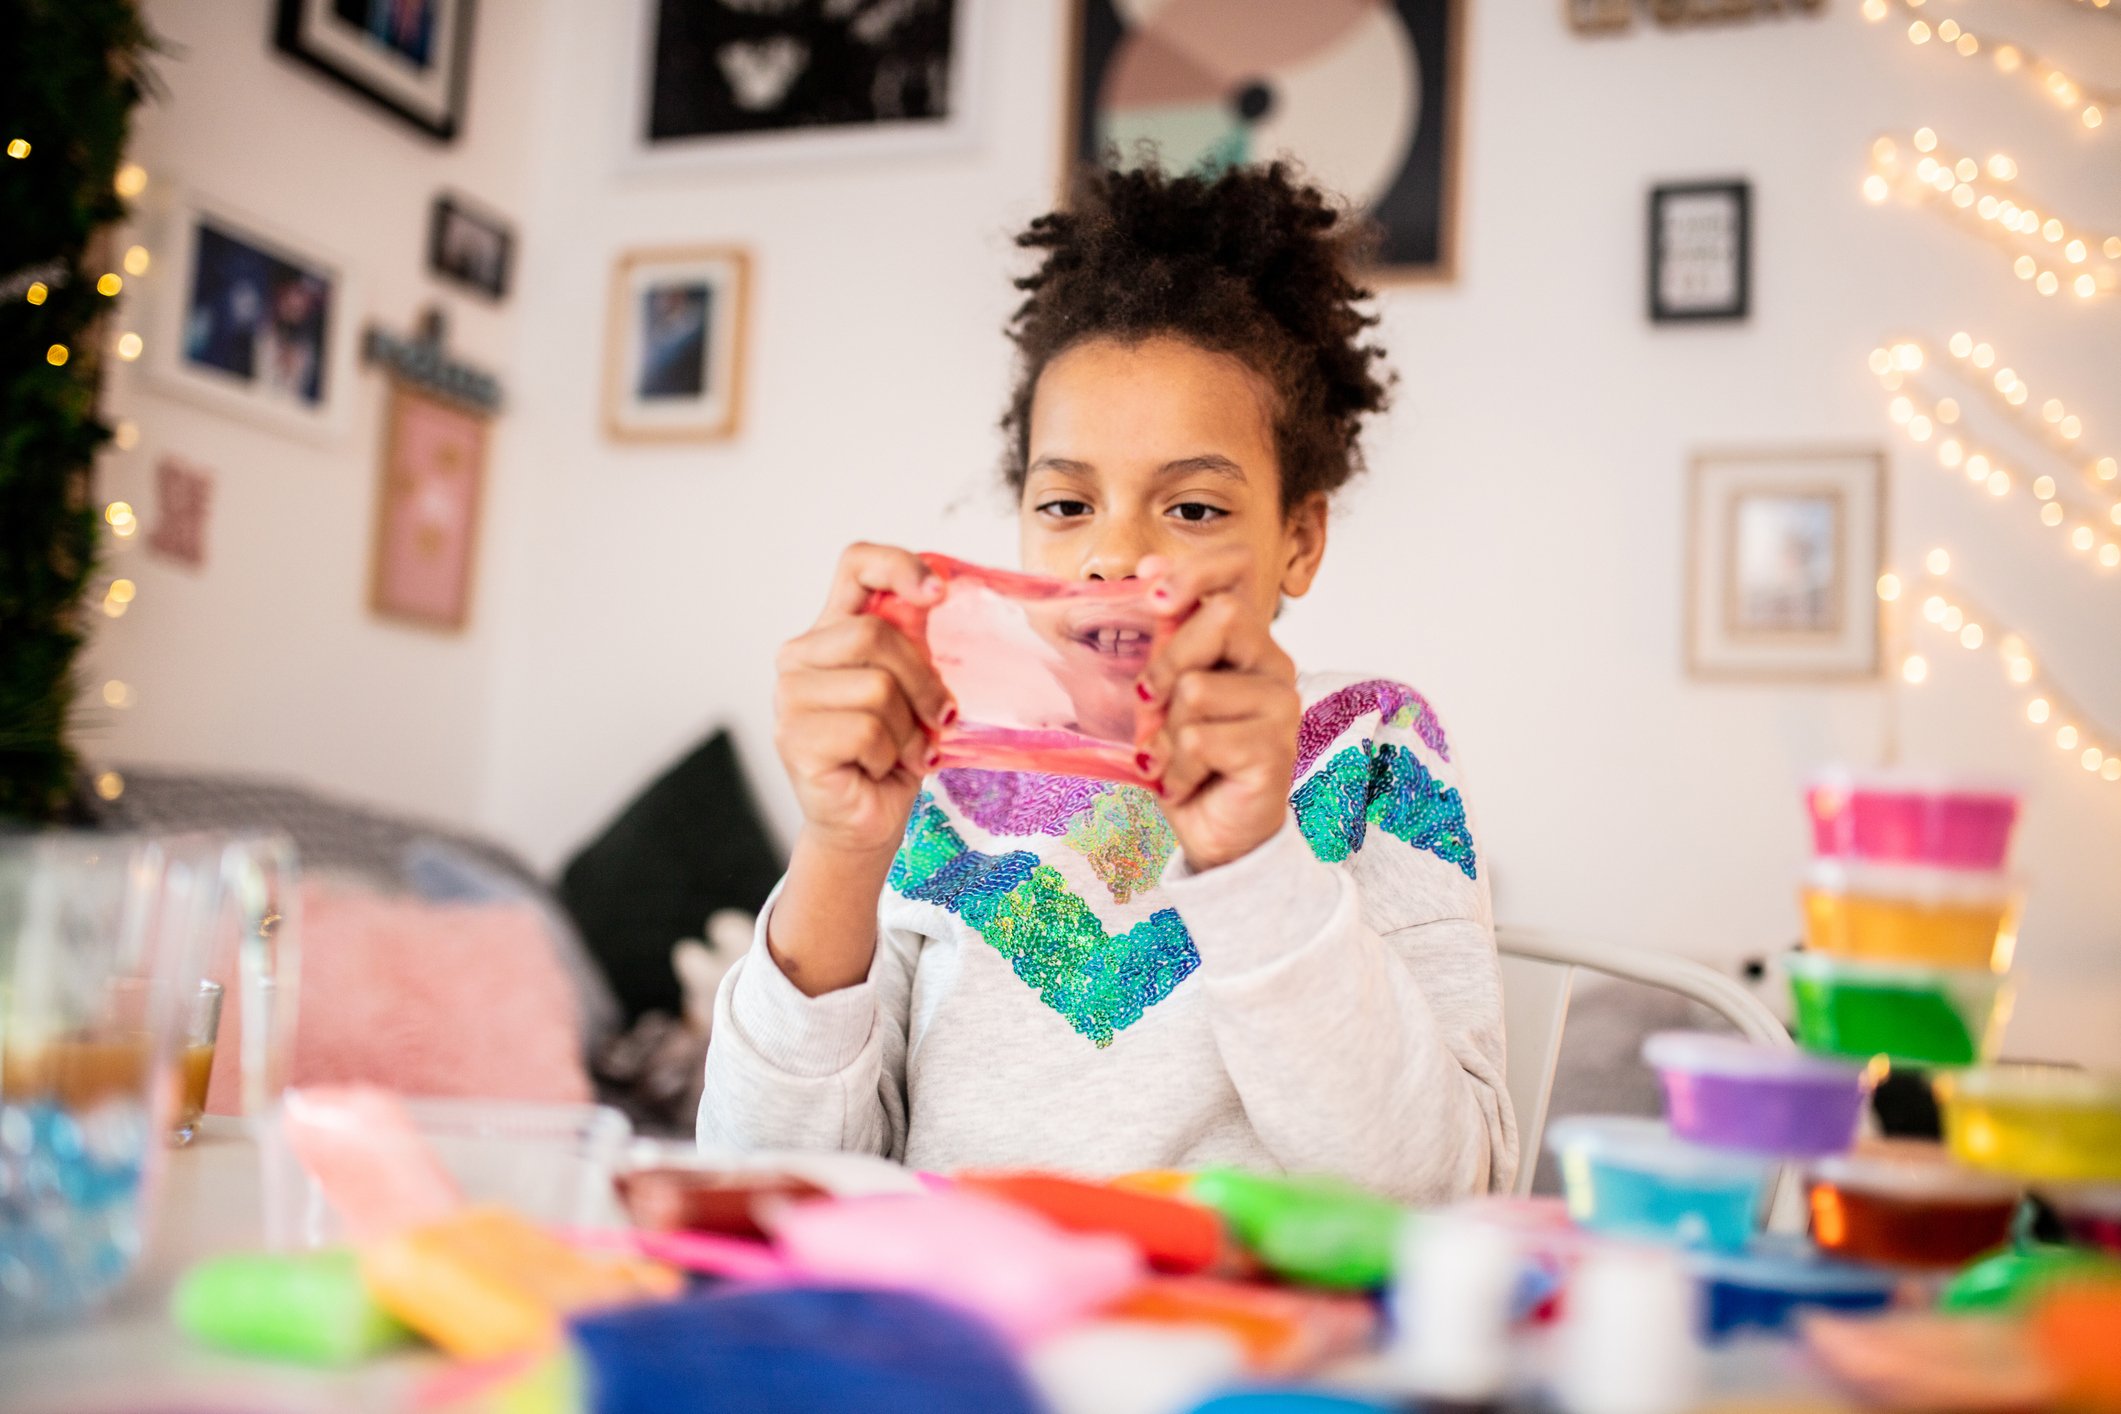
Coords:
1910,1014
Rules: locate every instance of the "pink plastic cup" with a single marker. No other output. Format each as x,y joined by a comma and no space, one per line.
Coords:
1896,818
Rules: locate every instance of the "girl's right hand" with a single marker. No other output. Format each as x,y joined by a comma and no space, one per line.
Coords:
857,707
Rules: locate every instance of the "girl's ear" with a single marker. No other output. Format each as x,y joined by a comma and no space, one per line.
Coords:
1303,536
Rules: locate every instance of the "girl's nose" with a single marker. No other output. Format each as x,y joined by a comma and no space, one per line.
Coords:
1116,555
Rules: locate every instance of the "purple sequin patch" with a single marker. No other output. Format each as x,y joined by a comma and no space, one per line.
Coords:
1328,717
1020,802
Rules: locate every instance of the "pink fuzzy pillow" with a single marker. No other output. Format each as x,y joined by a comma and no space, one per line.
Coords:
424,999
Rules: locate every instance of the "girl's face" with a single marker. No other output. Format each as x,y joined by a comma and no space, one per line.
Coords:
1161,448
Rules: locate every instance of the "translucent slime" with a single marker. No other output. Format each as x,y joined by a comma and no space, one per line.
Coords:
1043,671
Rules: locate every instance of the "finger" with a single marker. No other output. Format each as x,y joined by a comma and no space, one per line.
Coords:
870,690
1200,642
818,743
1232,696
1207,751
1180,587
864,569
868,642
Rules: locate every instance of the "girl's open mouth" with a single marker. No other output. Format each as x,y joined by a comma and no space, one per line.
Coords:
1118,642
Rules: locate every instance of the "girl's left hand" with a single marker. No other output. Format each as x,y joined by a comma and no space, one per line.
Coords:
1227,745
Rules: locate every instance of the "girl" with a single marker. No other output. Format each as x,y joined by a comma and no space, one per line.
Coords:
1283,958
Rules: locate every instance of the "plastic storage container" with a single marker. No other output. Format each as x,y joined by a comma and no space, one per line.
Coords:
2039,1122
1943,917
2091,1215
1631,1177
1924,1016
1905,1203
1763,1288
549,1163
1739,1094
1900,817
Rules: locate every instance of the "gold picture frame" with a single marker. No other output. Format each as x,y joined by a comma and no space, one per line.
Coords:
675,344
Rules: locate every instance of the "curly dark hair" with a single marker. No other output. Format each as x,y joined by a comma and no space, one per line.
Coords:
1253,262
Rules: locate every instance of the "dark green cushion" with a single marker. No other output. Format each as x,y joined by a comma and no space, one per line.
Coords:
689,844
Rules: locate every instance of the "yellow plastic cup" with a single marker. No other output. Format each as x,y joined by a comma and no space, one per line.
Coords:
1939,917
2040,1122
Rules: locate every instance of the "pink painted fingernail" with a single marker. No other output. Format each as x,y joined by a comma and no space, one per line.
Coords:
1160,595
1141,690
1143,761
949,713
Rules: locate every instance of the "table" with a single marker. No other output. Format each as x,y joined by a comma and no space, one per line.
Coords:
133,1354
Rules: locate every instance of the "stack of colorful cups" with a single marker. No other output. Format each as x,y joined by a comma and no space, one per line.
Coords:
1910,919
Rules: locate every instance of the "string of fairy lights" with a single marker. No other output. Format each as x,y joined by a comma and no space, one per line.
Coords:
127,345
2048,253
1948,610
2088,102
2086,513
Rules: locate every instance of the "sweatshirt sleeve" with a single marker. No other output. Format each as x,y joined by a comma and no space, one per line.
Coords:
791,1071
1357,1003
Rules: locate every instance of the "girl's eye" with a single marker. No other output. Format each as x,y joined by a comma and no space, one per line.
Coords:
1064,509
1198,511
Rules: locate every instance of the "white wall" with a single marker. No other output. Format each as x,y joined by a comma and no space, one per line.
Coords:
1516,550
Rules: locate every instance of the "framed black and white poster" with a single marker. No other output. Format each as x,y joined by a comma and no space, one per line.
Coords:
727,82
1365,96
1700,256
469,247
408,57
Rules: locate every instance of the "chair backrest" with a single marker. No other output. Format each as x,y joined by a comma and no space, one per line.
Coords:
1535,1004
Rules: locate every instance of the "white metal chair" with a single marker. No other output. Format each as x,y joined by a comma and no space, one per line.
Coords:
1538,971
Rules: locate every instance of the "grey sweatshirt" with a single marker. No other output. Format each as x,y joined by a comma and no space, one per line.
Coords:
1053,988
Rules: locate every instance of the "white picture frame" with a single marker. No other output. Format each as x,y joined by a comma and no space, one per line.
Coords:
675,344
214,339
1784,552
956,132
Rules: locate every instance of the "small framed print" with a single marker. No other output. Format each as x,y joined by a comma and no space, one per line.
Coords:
1700,251
408,57
427,511
674,370
1784,552
469,247
250,322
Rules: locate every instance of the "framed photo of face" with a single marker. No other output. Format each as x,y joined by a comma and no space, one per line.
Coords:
251,323
674,368
408,57
1784,553
469,247
1367,97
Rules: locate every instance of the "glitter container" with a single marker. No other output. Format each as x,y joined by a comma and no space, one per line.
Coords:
1943,917
1739,1094
1905,1203
1912,1015
2091,1214
1630,1177
2040,1122
1906,817
1764,1287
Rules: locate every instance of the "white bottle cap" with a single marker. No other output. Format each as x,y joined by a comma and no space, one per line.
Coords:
1451,1304
1628,1344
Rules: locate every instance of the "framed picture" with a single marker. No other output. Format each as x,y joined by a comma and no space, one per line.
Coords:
427,511
1700,256
674,368
468,247
769,83
1367,97
250,322
1784,553
409,57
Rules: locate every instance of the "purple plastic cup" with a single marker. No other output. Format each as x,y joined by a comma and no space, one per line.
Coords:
1896,818
1739,1094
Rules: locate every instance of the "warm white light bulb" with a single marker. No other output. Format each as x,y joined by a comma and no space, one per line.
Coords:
1934,608
2051,513
2036,711
1914,668
1970,636
1999,483
2044,487
2091,758
1962,344
1938,561
2066,737
1888,587
2081,539
1953,618
1925,140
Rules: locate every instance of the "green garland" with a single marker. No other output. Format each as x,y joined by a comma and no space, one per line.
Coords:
71,72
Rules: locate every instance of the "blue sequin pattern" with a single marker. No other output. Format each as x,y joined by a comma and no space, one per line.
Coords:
1385,785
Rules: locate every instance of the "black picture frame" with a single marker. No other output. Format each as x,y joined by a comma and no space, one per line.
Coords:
336,52
1738,306
1416,213
480,266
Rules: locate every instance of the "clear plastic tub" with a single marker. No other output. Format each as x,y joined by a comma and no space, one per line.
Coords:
2040,1122
1630,1177
1905,1203
1911,817
1727,1091
1942,917
1910,1014
550,1163
1765,1287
